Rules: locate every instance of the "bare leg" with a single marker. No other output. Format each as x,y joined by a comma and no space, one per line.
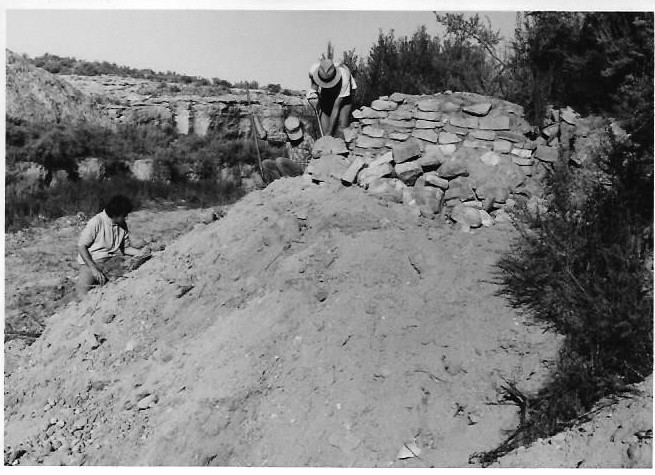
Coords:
288,167
84,282
325,123
344,119
269,168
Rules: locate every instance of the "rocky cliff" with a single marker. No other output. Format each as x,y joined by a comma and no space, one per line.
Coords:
35,95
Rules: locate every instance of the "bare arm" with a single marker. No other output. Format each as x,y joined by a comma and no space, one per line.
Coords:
133,251
88,260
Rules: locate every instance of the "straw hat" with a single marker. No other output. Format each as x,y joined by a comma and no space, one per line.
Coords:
292,128
326,75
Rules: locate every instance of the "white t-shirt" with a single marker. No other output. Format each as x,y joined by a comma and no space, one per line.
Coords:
347,80
103,238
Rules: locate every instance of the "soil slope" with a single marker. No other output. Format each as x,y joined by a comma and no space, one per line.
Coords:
311,326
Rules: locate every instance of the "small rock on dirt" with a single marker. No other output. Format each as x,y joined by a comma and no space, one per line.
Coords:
321,295
147,402
108,318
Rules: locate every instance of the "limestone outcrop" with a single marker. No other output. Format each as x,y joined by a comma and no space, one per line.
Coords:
35,95
140,101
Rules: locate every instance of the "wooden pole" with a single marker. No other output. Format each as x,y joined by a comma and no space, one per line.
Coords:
254,132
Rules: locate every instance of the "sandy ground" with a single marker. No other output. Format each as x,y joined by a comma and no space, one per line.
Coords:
311,326
40,265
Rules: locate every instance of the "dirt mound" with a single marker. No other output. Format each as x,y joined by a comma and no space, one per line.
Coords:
311,326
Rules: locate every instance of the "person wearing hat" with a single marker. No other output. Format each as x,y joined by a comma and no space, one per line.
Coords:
299,152
334,85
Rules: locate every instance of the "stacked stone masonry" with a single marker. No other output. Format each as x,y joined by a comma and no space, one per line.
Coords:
464,155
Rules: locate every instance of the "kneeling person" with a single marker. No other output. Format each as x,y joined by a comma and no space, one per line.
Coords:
103,243
299,152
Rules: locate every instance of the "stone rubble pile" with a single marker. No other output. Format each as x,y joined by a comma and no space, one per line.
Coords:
464,155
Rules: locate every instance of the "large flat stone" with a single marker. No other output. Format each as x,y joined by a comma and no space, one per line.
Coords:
400,136
426,134
511,136
479,110
460,188
568,115
500,122
455,130
467,216
453,166
383,105
406,151
350,175
428,124
448,138
483,134
477,144
431,178
466,122
398,97
408,172
367,175
523,162
428,115
370,113
398,124
502,146
550,131
522,152
329,146
401,115
450,106
546,154
448,149
373,131
384,158
432,157
364,141
430,105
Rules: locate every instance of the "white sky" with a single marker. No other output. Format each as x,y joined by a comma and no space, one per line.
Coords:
270,42
267,46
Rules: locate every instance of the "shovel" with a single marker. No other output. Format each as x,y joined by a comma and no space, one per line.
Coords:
316,114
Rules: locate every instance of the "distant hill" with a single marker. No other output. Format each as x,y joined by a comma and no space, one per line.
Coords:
35,95
192,105
72,66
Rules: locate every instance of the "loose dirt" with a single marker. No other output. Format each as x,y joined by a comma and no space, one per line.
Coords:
40,265
311,326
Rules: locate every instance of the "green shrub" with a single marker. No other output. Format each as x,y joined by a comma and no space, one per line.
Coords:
583,269
89,196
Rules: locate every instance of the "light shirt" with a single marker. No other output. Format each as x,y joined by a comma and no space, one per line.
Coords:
301,153
104,238
347,80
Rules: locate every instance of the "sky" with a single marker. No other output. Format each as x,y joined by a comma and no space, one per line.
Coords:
271,42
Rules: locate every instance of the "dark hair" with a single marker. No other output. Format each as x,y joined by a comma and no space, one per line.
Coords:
118,205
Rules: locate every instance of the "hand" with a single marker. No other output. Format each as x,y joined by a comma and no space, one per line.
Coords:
311,95
99,276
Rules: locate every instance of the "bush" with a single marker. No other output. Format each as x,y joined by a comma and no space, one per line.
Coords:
273,88
89,197
584,271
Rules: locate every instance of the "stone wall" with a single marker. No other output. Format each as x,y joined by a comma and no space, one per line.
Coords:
461,154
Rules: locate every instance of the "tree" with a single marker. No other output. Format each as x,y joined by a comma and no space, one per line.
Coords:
471,57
